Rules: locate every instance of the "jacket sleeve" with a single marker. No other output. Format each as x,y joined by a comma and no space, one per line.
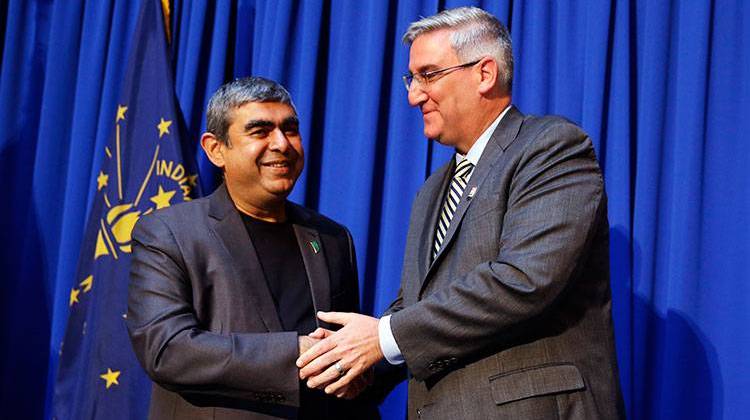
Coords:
182,355
396,305
555,205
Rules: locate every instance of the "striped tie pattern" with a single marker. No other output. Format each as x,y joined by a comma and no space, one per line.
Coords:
458,184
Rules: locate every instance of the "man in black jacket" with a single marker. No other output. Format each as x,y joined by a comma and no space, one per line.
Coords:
224,289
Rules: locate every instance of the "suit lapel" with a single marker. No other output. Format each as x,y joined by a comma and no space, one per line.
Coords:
243,257
316,266
501,138
433,202
315,261
477,178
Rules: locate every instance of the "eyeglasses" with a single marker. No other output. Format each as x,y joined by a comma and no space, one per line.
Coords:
424,78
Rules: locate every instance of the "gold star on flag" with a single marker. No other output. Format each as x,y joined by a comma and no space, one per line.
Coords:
87,284
101,181
111,377
74,296
162,198
163,127
121,112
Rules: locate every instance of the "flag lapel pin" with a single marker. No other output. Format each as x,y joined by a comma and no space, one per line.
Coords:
472,192
315,246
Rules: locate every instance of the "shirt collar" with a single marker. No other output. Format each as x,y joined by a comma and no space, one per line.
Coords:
475,152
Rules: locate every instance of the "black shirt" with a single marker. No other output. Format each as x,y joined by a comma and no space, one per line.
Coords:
281,260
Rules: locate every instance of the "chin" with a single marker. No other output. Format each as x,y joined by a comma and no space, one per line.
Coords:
432,132
281,188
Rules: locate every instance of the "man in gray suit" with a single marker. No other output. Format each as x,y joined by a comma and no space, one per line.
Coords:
504,306
224,289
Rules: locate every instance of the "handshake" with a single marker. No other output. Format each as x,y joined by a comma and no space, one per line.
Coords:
340,363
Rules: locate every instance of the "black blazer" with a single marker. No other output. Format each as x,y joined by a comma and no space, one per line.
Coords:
202,320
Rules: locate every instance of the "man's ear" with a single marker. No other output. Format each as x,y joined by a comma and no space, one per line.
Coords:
214,149
488,73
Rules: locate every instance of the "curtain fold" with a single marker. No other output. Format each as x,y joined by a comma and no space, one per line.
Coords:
663,89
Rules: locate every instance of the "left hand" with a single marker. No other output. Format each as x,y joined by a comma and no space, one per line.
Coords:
357,385
356,348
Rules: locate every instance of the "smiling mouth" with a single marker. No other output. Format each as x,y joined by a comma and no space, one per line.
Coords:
279,166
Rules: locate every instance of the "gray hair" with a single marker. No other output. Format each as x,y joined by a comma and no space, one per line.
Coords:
237,93
476,34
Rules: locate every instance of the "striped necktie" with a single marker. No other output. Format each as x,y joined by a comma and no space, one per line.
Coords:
456,189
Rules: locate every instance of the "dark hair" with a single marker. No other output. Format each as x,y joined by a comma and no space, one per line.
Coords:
237,93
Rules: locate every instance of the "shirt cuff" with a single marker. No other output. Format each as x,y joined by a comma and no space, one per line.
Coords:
388,343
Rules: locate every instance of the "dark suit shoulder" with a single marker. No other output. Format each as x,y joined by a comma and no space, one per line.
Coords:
543,126
173,218
552,133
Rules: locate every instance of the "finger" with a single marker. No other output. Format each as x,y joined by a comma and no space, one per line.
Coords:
339,318
326,377
321,386
315,351
320,364
320,333
343,381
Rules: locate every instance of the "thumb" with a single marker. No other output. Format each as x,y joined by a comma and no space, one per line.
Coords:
320,333
339,318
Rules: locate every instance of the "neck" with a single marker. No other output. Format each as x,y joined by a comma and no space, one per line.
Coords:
485,115
269,213
270,210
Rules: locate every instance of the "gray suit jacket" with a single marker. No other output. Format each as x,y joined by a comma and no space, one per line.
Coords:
512,319
202,319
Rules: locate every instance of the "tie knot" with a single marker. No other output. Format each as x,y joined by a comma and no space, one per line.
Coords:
463,169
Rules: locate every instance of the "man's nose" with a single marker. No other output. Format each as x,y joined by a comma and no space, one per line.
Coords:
416,96
279,141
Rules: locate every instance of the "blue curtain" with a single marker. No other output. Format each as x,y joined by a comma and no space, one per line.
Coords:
662,87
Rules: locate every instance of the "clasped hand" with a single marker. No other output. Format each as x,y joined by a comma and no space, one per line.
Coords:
341,362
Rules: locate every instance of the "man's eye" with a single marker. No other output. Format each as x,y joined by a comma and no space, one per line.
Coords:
259,133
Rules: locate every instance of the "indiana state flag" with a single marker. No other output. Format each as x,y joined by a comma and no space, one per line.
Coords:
144,169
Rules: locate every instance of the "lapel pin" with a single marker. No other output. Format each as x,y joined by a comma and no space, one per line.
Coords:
315,246
472,191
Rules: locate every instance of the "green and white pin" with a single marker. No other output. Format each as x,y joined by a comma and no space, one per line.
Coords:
315,246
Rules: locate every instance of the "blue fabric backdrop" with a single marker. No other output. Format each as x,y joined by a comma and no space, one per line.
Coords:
662,87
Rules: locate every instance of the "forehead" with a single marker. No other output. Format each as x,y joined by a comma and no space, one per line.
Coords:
431,50
267,111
